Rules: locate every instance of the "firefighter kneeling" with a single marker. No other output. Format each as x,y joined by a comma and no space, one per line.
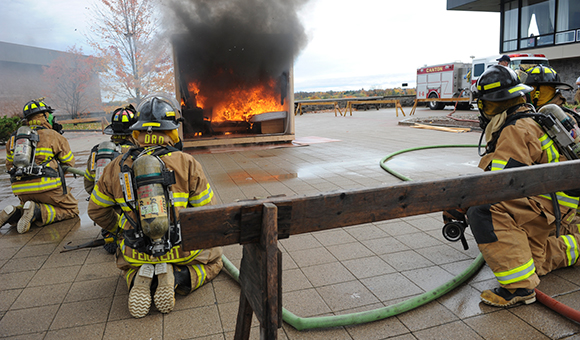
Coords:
34,155
518,238
151,184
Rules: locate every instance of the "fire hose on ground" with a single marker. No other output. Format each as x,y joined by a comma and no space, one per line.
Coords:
301,323
544,299
380,313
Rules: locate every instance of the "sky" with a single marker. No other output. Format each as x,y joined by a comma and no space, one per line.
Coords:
351,44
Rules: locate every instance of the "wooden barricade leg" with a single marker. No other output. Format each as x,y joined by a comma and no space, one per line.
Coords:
337,107
261,281
398,106
414,107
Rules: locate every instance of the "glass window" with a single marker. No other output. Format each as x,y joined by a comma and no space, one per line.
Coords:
568,15
478,69
510,45
510,21
537,18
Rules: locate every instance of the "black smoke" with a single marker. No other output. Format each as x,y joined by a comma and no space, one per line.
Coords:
233,42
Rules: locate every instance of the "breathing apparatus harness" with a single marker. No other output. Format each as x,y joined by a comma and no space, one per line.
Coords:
149,196
23,147
561,129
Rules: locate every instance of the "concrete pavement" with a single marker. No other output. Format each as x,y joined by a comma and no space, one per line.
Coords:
45,294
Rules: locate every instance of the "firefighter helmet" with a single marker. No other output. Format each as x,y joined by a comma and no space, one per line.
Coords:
36,106
121,121
500,83
157,112
545,75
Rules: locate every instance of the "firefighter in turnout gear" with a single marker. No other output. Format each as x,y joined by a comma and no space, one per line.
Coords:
546,85
121,137
517,237
151,184
101,154
35,155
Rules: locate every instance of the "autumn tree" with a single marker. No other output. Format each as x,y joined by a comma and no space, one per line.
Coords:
127,34
69,77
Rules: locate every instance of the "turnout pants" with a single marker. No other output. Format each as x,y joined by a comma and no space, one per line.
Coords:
204,268
518,242
54,206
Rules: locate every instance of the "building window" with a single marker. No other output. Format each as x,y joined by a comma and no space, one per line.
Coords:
568,19
537,23
530,24
510,26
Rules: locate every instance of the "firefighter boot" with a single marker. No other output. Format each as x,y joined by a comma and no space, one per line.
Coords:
502,297
30,213
140,294
165,294
10,215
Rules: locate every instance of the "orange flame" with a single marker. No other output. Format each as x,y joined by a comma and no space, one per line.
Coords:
193,89
241,104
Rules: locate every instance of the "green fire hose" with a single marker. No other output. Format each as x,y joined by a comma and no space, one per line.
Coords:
384,312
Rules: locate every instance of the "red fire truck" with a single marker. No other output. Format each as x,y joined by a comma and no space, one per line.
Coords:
454,80
443,81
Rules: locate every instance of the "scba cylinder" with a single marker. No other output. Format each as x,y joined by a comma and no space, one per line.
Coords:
153,207
105,153
23,147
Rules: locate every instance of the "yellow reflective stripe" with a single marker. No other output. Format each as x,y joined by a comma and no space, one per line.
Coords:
90,176
51,213
201,275
497,164
46,152
180,199
45,183
101,199
67,158
564,200
152,124
170,114
517,88
171,257
571,249
202,198
517,274
129,272
492,85
551,150
10,157
124,206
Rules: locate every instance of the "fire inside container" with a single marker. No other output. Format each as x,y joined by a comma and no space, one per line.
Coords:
229,98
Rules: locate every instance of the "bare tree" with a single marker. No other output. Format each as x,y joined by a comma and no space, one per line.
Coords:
69,77
127,34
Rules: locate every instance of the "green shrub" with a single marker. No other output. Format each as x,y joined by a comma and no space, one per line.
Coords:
7,126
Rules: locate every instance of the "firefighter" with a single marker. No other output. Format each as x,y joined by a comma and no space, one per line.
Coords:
121,136
157,181
546,85
35,155
101,154
516,237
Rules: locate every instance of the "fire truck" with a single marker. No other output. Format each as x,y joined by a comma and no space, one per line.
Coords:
454,80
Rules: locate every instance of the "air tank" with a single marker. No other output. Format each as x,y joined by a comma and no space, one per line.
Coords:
105,152
153,207
23,147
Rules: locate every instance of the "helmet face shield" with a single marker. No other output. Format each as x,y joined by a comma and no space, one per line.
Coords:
157,112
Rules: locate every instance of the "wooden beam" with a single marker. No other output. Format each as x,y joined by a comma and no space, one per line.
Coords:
206,227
